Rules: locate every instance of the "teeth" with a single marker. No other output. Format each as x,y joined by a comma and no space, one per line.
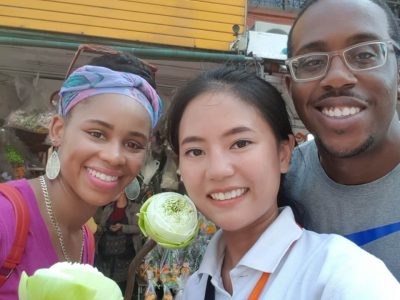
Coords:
102,176
228,195
340,112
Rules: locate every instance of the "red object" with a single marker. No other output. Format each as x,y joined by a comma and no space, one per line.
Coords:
117,215
21,231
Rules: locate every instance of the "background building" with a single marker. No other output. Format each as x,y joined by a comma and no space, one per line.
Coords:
38,39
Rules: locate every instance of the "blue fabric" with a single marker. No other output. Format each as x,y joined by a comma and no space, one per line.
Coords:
89,81
364,237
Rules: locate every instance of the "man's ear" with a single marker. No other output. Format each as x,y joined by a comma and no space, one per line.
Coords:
288,84
398,87
56,130
285,152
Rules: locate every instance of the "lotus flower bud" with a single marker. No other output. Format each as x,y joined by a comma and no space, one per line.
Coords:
170,219
66,281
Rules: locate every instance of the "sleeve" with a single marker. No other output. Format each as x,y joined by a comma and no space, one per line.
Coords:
361,276
133,227
130,229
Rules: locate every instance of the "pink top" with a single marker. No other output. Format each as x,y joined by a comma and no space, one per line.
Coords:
39,252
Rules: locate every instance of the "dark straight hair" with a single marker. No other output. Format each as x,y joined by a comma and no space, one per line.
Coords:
245,85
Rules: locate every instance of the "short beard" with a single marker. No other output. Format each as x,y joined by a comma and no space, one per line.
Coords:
346,154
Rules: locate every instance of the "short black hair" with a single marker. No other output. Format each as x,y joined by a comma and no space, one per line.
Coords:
125,62
392,22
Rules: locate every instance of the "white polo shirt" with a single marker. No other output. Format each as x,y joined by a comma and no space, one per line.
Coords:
304,265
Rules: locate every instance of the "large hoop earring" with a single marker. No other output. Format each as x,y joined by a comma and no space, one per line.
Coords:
53,165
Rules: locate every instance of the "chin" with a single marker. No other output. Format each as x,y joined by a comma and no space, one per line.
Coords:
98,199
349,152
231,225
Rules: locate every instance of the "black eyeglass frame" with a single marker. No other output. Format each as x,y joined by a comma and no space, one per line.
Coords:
340,52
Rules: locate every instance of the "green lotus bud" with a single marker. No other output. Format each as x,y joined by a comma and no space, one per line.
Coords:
170,219
66,281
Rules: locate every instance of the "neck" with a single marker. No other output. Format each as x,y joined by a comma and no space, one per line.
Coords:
65,228
69,209
240,241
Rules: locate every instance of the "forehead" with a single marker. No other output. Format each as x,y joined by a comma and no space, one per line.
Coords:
214,102
119,110
332,24
217,110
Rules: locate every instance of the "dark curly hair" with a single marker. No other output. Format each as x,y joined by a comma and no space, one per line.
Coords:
125,62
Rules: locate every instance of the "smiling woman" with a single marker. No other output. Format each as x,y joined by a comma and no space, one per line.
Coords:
110,134
233,138
100,136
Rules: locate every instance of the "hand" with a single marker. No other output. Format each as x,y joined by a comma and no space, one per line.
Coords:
116,227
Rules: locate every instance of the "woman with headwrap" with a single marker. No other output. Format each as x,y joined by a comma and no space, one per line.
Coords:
100,136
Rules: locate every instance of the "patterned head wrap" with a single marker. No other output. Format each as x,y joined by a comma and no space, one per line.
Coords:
89,80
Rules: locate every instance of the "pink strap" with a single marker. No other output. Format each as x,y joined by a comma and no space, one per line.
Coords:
21,230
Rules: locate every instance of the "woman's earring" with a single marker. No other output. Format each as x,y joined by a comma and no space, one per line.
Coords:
53,165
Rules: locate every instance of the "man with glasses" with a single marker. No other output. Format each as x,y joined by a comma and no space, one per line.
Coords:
343,62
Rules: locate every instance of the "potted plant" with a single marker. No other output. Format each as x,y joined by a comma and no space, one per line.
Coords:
16,161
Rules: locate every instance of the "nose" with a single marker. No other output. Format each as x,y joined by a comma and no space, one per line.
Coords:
113,154
219,166
338,75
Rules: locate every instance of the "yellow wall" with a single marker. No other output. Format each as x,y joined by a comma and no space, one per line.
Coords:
205,24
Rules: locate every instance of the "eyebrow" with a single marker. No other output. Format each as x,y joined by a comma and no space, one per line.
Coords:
312,46
364,37
110,126
233,131
321,45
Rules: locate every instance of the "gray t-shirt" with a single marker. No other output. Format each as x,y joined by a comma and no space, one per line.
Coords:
368,214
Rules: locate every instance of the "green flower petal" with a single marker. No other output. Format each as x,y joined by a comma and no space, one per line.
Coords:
65,281
170,219
22,291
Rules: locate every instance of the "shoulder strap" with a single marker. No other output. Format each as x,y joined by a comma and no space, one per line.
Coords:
21,230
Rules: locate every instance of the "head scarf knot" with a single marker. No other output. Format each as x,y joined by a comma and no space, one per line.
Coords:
89,81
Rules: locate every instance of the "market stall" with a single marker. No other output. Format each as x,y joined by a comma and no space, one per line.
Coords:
23,129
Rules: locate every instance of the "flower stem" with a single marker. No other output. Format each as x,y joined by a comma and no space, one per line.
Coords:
133,266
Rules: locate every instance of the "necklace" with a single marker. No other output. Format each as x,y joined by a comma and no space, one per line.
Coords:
54,222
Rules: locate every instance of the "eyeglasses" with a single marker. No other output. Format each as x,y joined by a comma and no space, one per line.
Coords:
98,49
360,57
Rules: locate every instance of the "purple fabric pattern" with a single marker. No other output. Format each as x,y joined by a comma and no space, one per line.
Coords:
89,81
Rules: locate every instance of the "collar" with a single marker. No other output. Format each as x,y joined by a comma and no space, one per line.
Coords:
265,255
